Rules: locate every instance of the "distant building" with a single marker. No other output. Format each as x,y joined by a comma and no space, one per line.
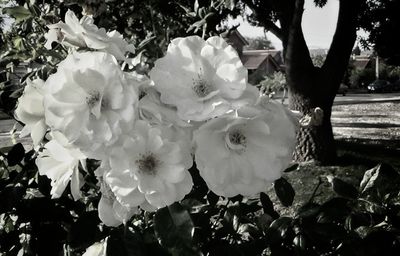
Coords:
363,62
316,51
259,63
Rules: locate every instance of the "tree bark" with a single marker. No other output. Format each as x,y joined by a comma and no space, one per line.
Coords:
314,142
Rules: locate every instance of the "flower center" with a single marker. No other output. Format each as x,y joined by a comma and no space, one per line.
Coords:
148,163
93,99
236,140
201,88
236,137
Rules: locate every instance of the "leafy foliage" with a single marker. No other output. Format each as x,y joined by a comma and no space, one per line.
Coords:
284,191
381,20
274,83
259,43
174,229
362,77
318,60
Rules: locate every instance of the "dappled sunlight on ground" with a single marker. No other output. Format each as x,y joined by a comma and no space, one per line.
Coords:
372,123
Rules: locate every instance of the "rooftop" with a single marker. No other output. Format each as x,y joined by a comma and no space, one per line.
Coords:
252,59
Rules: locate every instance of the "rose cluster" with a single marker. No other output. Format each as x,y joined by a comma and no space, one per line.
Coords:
147,132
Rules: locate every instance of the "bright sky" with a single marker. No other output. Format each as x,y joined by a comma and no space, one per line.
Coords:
318,25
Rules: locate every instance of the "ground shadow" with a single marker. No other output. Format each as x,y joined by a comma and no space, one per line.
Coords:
368,151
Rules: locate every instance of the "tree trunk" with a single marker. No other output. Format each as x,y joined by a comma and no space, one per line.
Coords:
314,142
311,87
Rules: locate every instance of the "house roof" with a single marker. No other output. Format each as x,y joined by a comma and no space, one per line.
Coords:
361,63
273,53
234,33
252,59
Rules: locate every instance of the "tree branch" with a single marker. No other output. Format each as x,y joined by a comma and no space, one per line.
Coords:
264,12
273,28
298,62
342,43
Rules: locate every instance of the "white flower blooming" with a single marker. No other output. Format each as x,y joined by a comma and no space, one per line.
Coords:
83,33
30,111
149,169
91,101
249,97
283,124
59,161
199,77
154,111
111,212
243,153
197,103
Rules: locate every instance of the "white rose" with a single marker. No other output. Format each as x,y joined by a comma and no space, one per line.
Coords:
30,111
59,161
111,212
154,111
243,154
150,168
83,33
91,101
199,77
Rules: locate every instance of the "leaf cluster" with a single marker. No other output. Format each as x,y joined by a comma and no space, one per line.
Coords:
274,83
358,221
22,53
381,20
